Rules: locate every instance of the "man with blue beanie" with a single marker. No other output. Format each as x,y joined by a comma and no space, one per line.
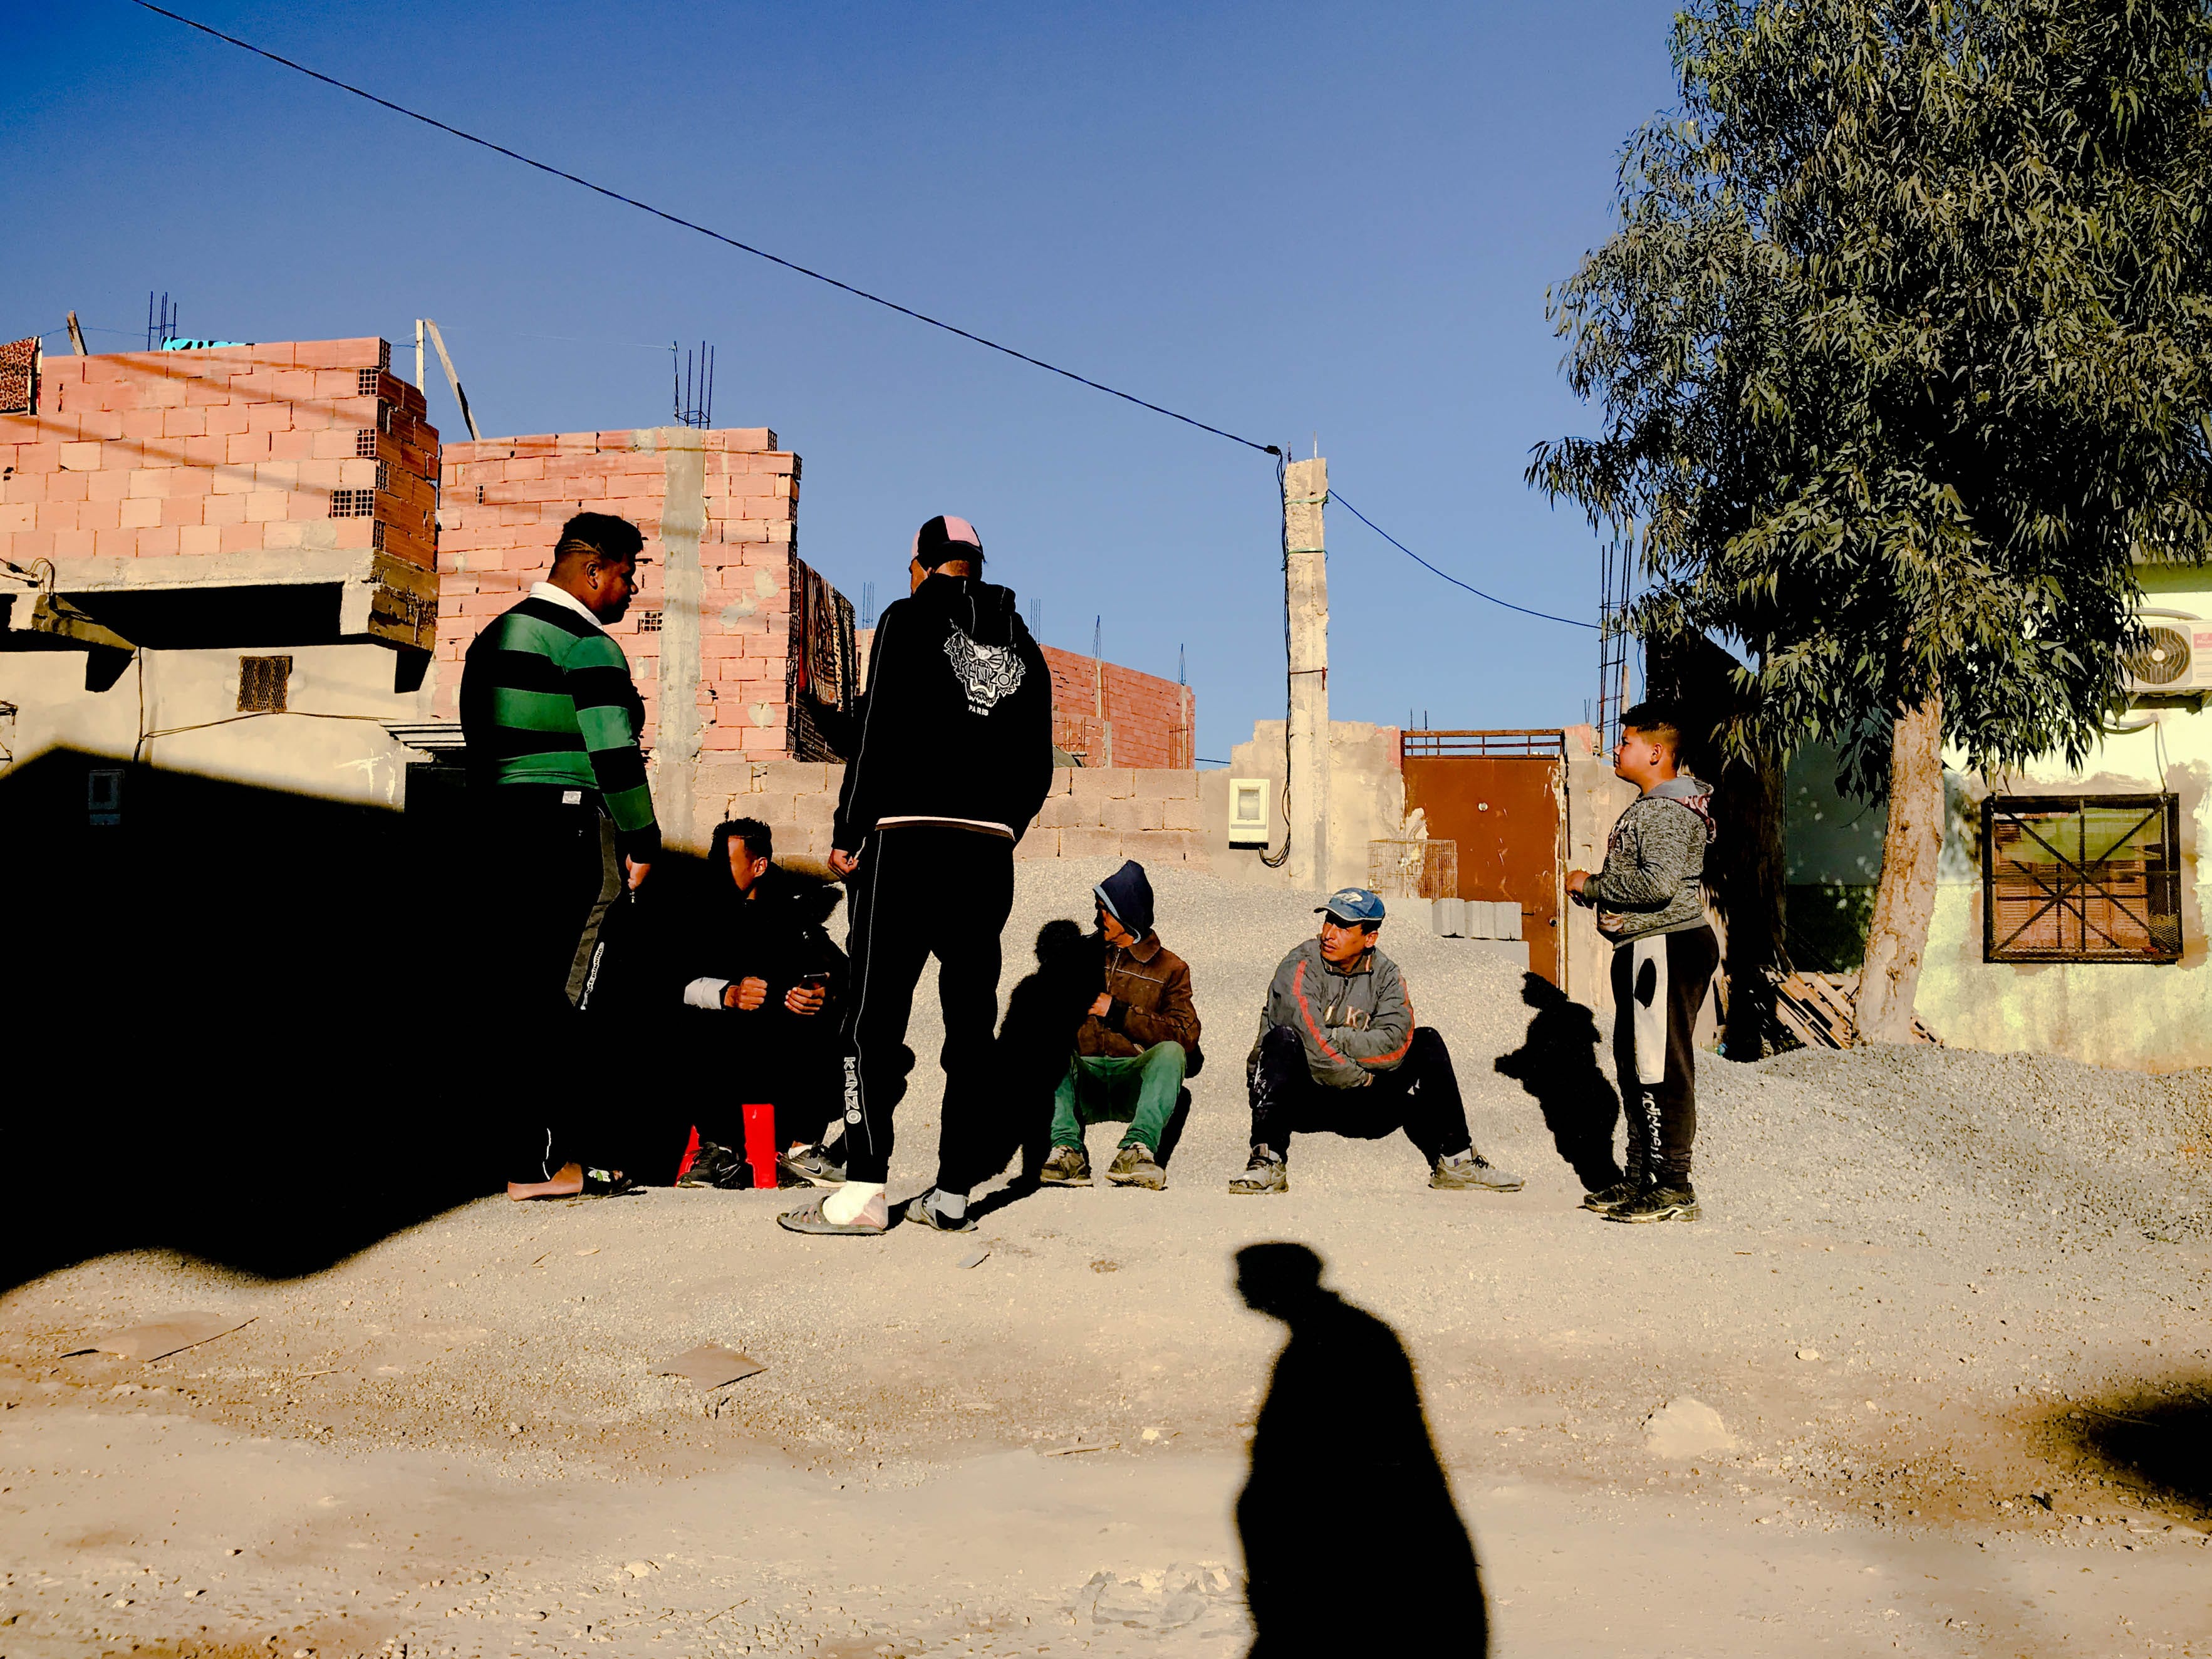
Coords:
1133,1050
1339,1051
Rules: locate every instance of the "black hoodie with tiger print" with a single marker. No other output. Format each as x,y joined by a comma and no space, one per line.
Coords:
956,725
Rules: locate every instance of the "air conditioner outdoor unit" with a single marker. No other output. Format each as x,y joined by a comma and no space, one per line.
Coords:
2175,659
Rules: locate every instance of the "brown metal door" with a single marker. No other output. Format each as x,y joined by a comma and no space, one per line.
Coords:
1502,809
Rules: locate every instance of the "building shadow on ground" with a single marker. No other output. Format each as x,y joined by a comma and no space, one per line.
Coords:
2155,1438
1352,1539
1557,1063
242,1022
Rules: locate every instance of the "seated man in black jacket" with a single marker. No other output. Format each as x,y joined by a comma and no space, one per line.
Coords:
755,955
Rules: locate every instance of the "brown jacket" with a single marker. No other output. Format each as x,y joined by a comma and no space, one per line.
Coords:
1150,987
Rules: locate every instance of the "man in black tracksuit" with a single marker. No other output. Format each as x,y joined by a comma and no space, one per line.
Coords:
954,760
1649,902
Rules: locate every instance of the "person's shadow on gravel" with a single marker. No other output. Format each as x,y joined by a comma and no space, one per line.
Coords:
1350,1536
1557,1062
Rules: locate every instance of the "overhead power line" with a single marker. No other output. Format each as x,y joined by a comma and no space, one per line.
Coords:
1543,615
687,224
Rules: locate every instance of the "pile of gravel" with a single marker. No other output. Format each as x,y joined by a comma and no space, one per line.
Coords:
1877,1142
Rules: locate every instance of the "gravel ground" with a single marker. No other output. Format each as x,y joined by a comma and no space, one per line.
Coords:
1949,1309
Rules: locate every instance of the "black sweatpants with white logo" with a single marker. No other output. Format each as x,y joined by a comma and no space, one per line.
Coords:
924,890
1659,984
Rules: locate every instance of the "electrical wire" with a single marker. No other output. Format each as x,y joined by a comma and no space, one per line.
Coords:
1543,615
732,241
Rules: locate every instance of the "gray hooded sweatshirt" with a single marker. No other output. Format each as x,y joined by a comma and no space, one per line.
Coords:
1355,1021
1655,863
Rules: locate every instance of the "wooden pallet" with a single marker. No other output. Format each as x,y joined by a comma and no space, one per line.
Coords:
1817,1010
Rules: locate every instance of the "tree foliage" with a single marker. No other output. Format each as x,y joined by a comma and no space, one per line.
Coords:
1903,347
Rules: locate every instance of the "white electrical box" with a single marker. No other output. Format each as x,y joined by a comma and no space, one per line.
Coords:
1247,811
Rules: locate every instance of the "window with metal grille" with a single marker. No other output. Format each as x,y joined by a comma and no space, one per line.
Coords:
364,445
364,382
2081,879
649,621
261,682
352,503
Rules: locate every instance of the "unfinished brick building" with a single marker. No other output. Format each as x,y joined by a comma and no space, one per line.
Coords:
1105,714
146,476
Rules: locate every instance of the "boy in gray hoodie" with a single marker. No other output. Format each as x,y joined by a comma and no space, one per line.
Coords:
1649,902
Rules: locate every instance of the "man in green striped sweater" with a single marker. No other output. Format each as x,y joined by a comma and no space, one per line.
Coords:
557,779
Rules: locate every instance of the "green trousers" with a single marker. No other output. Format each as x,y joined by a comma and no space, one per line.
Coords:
1139,1090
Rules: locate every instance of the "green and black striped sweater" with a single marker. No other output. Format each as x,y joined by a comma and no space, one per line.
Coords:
546,698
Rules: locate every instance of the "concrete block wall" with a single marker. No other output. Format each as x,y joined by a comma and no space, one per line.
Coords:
730,499
301,444
1150,814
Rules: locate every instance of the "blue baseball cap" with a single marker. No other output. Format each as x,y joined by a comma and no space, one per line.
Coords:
1352,904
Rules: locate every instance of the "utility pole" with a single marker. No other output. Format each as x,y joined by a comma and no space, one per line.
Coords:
418,354
1305,590
77,337
452,380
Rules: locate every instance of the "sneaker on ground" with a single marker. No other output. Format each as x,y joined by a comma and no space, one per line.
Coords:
1607,1200
920,1212
1471,1172
814,1166
1266,1172
1135,1165
711,1165
1658,1204
1068,1166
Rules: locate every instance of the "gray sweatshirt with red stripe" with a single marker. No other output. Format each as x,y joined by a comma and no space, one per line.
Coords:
1354,1021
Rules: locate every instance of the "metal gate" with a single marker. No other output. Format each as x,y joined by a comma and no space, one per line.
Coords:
1502,796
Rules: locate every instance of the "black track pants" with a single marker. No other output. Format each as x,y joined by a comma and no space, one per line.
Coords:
1419,1095
921,892
548,877
1659,984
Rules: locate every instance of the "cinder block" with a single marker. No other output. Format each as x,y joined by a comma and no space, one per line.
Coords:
1080,843
1162,783
1102,783
1064,813
791,777
1182,815
1129,815
1038,843
1447,918
269,418
81,457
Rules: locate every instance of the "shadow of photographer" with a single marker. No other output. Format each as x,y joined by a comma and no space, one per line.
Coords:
1350,1536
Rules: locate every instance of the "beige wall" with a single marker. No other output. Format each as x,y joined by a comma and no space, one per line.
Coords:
1366,800
1150,814
332,745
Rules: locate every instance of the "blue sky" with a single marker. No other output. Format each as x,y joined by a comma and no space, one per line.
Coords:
1285,220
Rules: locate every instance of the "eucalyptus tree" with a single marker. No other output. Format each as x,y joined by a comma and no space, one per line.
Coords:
1903,346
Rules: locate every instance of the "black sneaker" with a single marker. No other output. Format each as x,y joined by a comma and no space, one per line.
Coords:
1266,1172
711,1165
1068,1166
1658,1204
811,1166
1136,1165
1607,1200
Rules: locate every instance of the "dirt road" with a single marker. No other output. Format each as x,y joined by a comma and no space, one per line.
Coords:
1948,1310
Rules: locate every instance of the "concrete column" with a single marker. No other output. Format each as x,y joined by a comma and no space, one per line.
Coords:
683,521
1305,488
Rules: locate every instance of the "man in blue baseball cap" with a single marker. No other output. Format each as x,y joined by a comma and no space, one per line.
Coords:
1340,1051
